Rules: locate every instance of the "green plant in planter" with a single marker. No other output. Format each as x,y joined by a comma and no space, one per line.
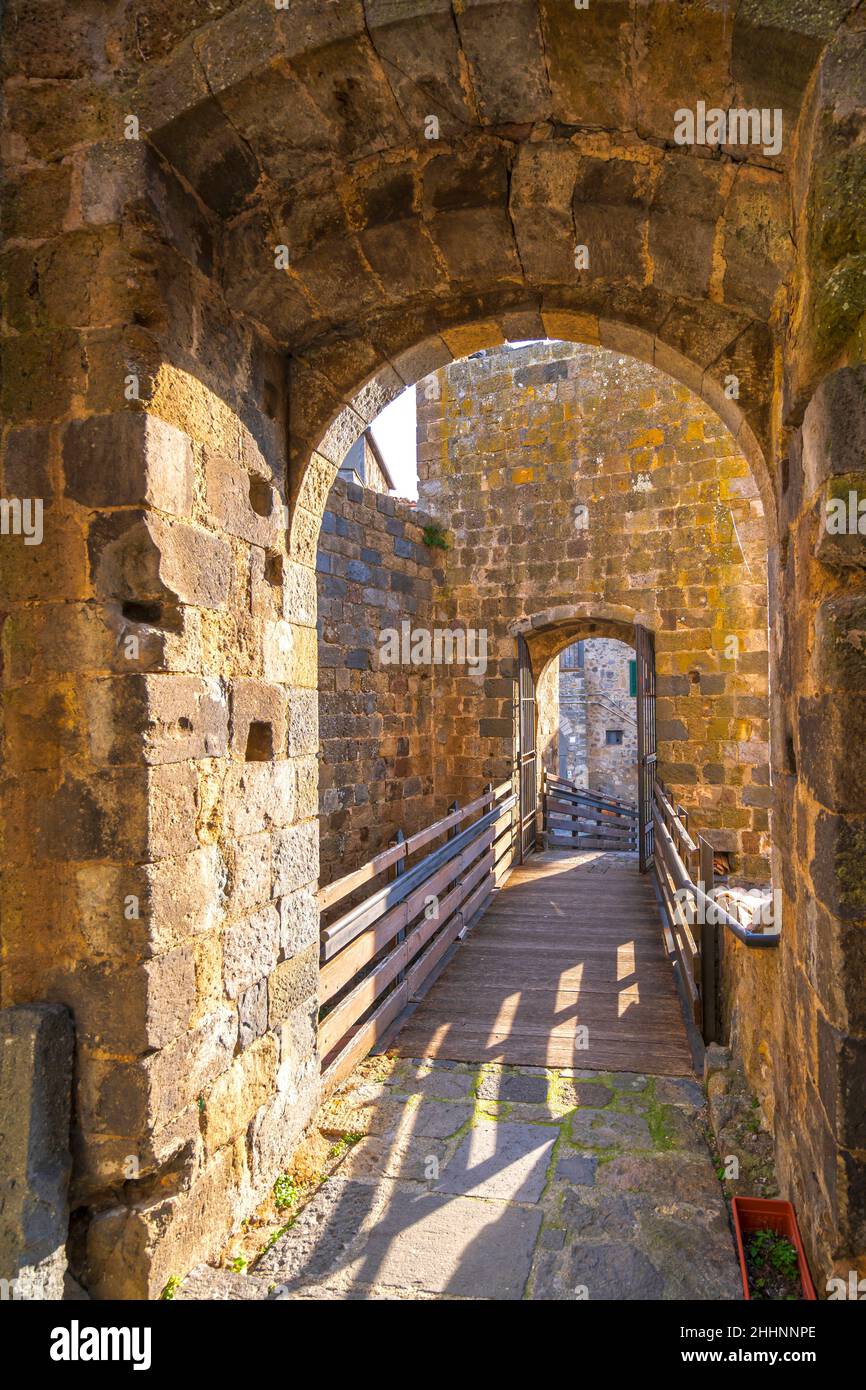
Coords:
435,537
772,1266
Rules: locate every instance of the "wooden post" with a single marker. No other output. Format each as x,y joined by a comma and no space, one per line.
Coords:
455,806
709,935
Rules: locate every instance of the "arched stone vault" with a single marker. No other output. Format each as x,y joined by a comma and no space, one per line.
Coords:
548,634
156,258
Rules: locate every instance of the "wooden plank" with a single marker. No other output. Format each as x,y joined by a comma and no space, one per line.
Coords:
337,972
333,892
366,1037
338,934
363,996
341,887
561,945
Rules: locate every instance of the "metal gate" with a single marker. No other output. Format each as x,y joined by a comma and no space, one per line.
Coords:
645,652
526,752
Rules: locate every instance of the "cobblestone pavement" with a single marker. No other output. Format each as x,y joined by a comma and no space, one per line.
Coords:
499,1182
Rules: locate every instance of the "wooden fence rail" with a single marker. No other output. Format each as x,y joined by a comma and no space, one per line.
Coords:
376,955
576,818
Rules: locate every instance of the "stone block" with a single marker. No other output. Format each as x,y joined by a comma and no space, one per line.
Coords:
234,1098
128,459
132,1252
295,858
243,504
299,922
143,558
834,428
838,871
839,648
292,984
258,720
258,796
250,950
36,1047
174,1077
832,758
166,718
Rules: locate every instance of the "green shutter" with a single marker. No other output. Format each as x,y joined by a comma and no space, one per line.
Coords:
632,677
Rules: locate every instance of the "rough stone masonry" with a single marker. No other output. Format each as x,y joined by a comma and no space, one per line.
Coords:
203,307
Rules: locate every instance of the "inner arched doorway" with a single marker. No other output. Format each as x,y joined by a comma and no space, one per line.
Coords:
536,653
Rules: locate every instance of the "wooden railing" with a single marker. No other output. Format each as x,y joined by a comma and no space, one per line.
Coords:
376,954
576,818
686,877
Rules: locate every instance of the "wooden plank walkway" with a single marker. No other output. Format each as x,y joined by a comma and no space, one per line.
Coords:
571,940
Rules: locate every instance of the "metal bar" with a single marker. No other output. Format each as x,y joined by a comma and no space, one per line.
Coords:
708,949
749,938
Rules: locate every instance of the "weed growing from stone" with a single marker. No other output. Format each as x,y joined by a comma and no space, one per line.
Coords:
435,537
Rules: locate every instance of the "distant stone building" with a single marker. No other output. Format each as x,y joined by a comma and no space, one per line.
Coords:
365,466
598,717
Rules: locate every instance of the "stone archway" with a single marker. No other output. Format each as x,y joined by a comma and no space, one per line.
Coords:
174,381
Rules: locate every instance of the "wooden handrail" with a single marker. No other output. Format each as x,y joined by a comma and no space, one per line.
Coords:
377,954
341,887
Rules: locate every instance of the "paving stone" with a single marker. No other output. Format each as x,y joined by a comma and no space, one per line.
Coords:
597,1270
634,1102
534,1114
680,1177
577,1168
628,1081
679,1091
454,1245
440,1084
436,1119
514,1087
609,1129
680,1127
593,1215
589,1093
501,1160
694,1254
354,1114
551,1238
323,1232
396,1155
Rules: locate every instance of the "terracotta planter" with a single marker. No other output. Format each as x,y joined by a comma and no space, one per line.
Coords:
769,1214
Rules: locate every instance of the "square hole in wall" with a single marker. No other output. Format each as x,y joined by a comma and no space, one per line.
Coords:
613,736
274,568
260,742
261,496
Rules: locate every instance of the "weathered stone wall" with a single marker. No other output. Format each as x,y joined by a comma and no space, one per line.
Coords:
612,768
159,789
577,482
573,762
547,719
818,592
376,724
154,258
